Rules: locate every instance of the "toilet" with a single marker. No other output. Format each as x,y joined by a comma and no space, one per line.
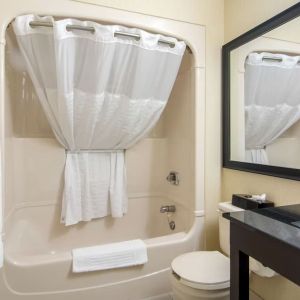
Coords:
204,274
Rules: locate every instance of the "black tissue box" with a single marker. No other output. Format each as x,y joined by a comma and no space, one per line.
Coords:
246,202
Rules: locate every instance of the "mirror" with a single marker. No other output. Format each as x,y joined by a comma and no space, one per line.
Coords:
261,98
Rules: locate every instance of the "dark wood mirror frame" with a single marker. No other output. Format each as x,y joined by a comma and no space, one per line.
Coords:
278,20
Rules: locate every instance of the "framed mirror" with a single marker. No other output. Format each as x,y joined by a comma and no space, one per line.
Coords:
261,98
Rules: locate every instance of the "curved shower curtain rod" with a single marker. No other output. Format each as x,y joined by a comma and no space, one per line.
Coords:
92,30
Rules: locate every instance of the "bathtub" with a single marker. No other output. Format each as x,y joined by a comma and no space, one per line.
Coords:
38,256
38,248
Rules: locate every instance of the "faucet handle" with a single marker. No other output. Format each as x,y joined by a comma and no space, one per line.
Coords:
173,178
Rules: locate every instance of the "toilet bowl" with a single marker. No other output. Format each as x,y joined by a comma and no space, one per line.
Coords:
201,275
205,275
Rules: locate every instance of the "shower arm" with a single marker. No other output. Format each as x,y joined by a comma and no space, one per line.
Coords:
92,30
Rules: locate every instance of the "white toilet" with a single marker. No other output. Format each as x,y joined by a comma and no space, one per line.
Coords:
204,274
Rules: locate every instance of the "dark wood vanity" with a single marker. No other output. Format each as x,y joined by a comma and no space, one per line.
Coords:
271,236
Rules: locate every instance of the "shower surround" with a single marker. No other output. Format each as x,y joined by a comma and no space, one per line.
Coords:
37,261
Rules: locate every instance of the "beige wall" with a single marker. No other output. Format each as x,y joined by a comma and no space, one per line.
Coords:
281,191
209,13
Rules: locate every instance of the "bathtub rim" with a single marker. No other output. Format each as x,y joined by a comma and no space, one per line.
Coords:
62,255
162,239
195,236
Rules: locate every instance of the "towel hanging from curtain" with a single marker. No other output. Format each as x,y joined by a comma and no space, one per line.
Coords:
98,92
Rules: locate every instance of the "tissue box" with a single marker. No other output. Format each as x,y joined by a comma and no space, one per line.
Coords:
246,202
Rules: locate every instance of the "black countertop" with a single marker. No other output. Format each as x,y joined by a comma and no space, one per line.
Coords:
282,222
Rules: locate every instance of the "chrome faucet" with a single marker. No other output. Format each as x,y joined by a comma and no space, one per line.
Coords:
167,208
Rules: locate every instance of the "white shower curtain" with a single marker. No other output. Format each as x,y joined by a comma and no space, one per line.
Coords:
272,101
101,95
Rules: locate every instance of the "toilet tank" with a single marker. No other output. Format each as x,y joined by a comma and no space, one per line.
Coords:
224,225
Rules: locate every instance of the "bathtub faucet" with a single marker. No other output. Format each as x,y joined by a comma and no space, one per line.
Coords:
167,208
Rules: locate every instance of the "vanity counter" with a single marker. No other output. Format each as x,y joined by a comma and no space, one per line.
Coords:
270,235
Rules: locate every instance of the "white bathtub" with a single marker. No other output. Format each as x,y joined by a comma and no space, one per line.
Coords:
37,248
38,251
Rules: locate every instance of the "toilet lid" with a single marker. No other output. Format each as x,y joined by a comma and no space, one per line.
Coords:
206,270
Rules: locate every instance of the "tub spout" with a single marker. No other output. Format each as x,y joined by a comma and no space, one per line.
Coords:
167,208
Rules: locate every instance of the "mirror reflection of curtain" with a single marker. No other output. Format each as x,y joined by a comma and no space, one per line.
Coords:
272,101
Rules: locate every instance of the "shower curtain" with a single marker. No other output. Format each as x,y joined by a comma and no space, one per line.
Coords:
272,101
101,95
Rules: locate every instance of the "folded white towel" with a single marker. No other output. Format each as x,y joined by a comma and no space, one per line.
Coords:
109,256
